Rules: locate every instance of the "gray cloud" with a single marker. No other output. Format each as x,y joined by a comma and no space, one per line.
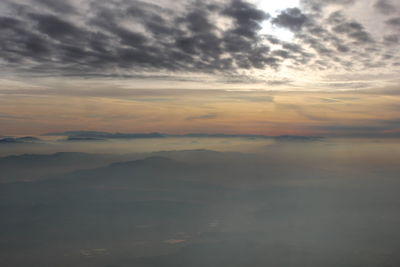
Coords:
132,36
394,22
354,30
291,18
124,39
385,7
246,17
318,5
392,39
57,6
332,42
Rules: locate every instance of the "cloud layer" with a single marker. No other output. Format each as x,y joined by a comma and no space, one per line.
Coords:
124,38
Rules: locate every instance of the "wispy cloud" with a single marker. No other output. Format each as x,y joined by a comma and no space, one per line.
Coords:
208,116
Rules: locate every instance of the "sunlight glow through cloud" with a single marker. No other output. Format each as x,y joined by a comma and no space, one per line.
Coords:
274,8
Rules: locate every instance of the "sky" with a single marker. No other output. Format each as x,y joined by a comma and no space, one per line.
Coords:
292,67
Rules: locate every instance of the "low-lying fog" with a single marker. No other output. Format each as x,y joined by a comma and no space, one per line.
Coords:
201,202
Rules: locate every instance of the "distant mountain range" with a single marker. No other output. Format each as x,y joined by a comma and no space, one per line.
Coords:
19,140
98,136
90,136
195,208
30,167
106,203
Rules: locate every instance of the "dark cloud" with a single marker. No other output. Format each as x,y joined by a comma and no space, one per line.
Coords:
385,7
61,6
132,36
354,30
55,27
392,39
246,16
125,38
291,18
198,21
394,22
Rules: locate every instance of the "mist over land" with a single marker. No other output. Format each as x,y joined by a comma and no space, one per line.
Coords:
324,202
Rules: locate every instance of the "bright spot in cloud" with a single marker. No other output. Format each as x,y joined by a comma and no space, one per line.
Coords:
274,8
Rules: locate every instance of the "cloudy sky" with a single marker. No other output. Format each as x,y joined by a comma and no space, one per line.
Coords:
243,66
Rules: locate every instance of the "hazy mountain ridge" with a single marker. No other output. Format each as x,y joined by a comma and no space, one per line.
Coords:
28,167
93,136
136,192
19,140
171,208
